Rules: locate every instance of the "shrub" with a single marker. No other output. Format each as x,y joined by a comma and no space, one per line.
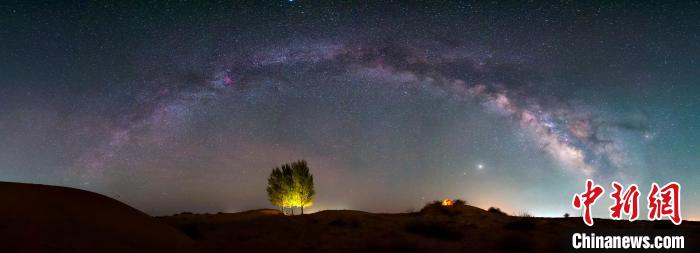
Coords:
566,215
436,207
432,204
496,210
523,214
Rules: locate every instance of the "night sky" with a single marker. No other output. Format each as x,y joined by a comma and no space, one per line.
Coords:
187,106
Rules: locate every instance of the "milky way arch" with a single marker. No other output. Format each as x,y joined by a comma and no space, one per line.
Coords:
572,136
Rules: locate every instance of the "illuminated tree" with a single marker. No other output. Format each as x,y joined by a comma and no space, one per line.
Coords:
280,187
274,188
291,185
303,185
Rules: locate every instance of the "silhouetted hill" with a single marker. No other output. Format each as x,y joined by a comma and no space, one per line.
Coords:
434,229
40,218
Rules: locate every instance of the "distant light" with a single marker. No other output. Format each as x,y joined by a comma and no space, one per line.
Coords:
447,202
480,166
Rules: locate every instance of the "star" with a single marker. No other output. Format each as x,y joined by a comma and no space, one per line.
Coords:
359,100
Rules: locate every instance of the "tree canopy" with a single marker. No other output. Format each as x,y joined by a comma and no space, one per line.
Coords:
291,185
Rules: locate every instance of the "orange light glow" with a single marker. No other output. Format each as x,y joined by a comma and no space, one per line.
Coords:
447,202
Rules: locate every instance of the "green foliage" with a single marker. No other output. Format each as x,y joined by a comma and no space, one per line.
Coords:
303,184
278,188
291,185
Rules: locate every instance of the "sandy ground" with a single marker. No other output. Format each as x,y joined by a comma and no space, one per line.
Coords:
38,218
434,229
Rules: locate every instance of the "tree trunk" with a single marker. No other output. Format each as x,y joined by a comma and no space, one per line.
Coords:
292,210
302,209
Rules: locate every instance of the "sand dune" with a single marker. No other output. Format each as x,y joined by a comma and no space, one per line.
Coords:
434,229
40,218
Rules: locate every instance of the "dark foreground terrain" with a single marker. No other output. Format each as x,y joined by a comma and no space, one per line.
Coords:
40,218
434,229
36,218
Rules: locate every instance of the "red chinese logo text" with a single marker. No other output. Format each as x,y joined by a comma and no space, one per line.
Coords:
589,197
627,203
663,202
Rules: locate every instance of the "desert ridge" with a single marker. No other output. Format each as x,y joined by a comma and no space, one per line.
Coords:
42,218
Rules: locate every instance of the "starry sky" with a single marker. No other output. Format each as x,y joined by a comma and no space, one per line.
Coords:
186,106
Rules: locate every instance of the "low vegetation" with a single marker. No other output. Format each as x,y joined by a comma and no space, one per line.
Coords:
453,208
496,210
